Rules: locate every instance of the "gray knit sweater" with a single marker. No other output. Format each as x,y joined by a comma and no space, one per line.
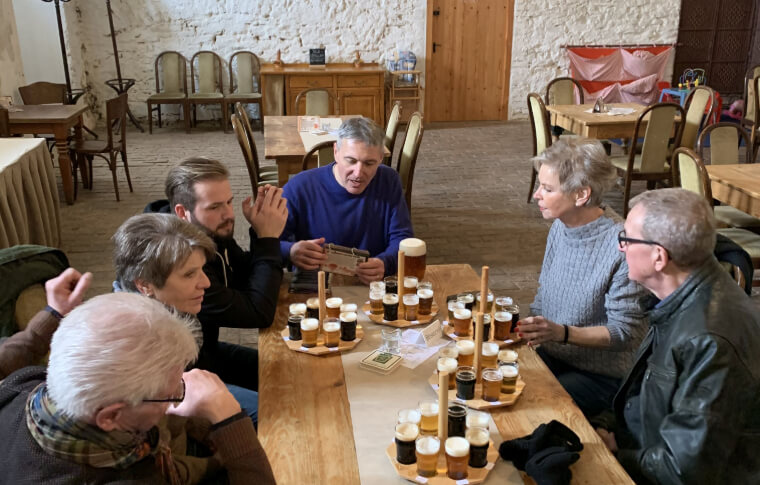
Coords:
584,283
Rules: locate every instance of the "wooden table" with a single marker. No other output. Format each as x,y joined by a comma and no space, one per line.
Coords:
305,420
573,117
737,186
283,144
57,119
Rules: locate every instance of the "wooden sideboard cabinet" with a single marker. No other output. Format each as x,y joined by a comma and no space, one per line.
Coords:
359,90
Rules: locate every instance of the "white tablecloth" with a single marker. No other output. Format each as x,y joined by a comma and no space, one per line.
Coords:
29,209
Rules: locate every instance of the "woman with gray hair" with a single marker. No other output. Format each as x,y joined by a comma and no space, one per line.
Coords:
587,315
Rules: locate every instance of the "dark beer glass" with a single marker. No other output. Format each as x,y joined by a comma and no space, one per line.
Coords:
457,419
390,306
312,308
294,326
465,383
478,439
348,326
406,434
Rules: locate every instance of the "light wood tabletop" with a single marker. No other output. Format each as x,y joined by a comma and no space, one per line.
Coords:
574,118
737,185
305,421
57,119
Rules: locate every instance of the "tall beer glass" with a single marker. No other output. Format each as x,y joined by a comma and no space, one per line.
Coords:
478,439
331,331
406,434
427,448
415,251
457,457
466,349
429,421
309,329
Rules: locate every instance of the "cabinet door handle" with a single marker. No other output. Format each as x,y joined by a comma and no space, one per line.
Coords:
313,84
360,82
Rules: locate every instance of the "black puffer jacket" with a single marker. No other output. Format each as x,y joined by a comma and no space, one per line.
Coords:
692,399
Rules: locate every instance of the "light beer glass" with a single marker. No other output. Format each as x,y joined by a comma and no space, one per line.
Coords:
415,251
348,307
509,379
507,356
411,304
466,350
452,305
477,419
331,332
427,448
410,285
376,302
457,457
429,421
409,416
309,329
449,351
489,355
489,302
447,364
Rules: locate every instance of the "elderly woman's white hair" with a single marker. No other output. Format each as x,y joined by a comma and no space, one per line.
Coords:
116,348
579,162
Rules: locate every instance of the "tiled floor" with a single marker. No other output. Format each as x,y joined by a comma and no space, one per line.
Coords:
468,203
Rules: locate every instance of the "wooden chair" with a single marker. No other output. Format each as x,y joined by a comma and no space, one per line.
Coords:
652,164
319,102
561,90
324,153
43,92
116,115
245,81
753,123
698,101
5,123
407,159
694,177
268,174
170,71
249,155
392,130
210,88
750,98
542,137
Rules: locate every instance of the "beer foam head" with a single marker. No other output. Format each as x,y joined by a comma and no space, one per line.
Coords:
297,308
312,303
348,307
452,352
407,431
457,446
410,282
376,294
465,347
412,246
425,294
447,364
462,314
486,319
490,349
465,297
411,299
503,316
508,355
453,304
348,317
331,326
428,445
490,296
390,298
377,286
309,324
429,408
477,419
334,302
492,375
508,371
409,416
477,436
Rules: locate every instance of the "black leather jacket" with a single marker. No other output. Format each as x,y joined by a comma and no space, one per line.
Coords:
692,399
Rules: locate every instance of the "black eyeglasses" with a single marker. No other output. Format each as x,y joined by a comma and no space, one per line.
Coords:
625,241
170,399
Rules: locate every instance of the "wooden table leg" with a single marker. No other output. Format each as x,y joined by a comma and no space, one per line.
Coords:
82,161
64,162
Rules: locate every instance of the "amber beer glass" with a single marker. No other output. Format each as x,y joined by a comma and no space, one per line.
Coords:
466,352
331,331
491,384
426,301
462,321
457,457
502,324
333,306
414,256
427,448
376,302
309,329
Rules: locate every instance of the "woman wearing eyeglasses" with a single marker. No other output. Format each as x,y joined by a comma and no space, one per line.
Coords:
587,316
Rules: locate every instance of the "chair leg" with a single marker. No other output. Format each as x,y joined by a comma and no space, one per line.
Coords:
224,117
195,116
74,165
126,168
261,115
112,166
626,195
186,109
158,106
150,118
532,184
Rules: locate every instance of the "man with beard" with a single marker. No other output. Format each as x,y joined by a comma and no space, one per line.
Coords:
244,284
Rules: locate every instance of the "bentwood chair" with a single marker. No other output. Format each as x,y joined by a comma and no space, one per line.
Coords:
407,159
116,116
701,99
249,155
392,130
268,174
318,102
749,122
170,70
652,164
209,87
753,123
43,92
564,90
245,81
324,155
542,137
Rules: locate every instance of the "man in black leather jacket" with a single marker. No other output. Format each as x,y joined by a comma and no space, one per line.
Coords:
690,407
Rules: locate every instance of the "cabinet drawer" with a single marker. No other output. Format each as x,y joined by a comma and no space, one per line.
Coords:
358,81
322,81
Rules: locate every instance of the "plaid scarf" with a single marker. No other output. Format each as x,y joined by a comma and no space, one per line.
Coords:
80,442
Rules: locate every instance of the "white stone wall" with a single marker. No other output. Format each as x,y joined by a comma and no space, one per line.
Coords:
542,26
11,67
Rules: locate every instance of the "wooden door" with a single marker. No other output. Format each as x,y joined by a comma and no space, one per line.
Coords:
716,35
469,46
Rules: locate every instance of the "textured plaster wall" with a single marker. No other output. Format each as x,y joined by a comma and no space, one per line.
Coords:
11,67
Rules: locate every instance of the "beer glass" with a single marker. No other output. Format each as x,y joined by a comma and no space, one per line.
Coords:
477,419
457,457
489,354
462,321
502,325
466,352
415,251
411,303
509,378
489,302
331,332
333,306
426,301
376,302
424,285
312,308
502,302
309,329
491,384
409,416
348,307
449,365
507,356
391,284
457,418
465,378
294,326
427,448
390,307
348,326
406,434
297,308
506,304
451,306
450,352
410,285
429,421
377,286
478,439
486,327
467,299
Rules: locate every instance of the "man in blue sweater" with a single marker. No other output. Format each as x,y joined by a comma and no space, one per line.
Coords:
355,201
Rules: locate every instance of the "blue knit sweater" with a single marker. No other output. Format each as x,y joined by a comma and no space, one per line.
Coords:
375,220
